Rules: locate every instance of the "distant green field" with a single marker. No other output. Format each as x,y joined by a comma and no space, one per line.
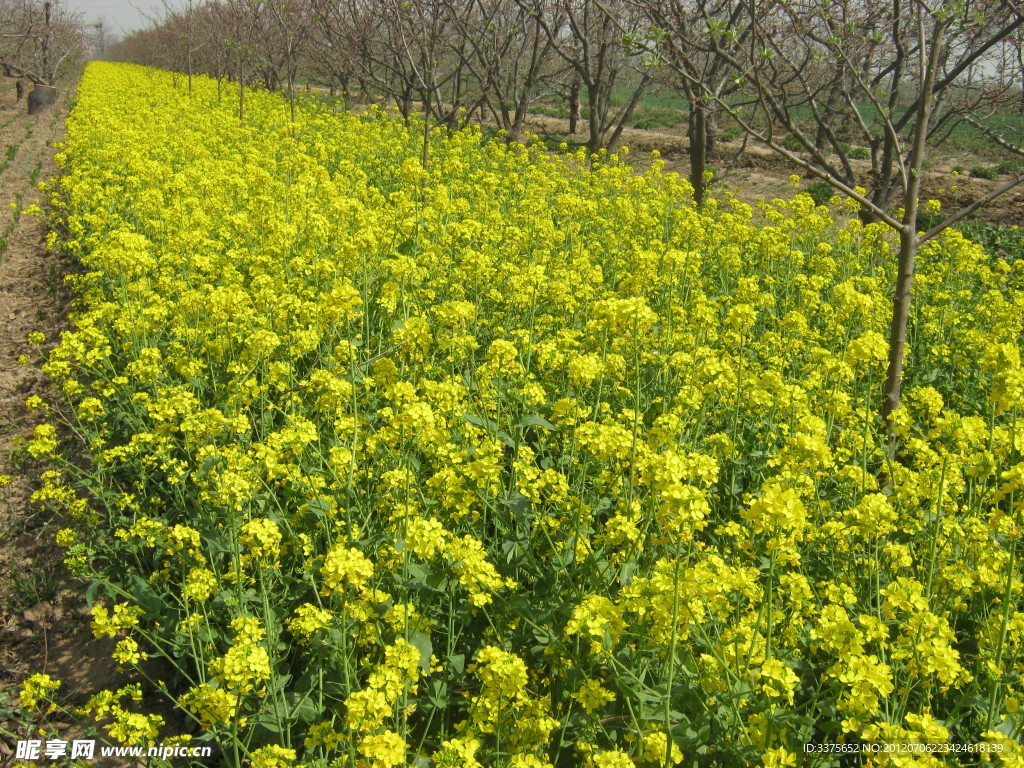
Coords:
662,107
998,239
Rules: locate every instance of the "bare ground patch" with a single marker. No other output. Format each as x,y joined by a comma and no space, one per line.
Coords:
43,625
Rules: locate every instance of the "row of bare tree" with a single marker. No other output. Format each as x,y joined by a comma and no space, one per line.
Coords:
820,82
452,58
40,40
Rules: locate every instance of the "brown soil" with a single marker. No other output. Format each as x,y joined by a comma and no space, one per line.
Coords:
43,626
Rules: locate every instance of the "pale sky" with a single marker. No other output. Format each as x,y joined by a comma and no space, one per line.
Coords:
119,16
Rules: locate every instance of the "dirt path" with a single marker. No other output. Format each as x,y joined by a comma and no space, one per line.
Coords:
30,300
42,623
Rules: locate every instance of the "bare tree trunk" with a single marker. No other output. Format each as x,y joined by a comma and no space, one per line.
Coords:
710,132
626,112
594,119
821,138
516,129
574,106
365,92
898,327
46,41
291,95
426,129
405,106
241,91
698,149
882,197
908,233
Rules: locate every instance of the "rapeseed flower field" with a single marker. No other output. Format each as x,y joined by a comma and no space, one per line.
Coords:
519,460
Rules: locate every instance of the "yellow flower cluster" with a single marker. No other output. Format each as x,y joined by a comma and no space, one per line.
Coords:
345,566
592,696
246,664
367,708
108,623
124,724
274,756
383,750
262,538
212,706
307,620
36,687
199,584
521,459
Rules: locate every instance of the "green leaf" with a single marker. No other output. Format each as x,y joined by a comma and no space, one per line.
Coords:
567,556
484,423
320,507
426,648
145,596
1006,727
437,692
421,577
511,548
92,593
626,572
206,466
534,420
266,722
303,706
517,502
279,683
544,636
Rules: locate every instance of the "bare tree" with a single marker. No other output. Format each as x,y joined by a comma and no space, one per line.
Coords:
338,35
693,36
365,37
484,56
211,54
910,70
425,35
282,39
608,45
238,22
39,41
100,39
509,56
183,26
